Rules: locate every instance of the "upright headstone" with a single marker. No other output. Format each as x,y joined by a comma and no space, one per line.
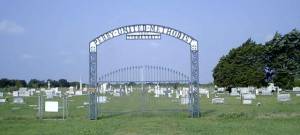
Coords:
249,96
222,89
15,93
1,94
247,102
217,101
18,100
283,97
48,84
51,106
296,89
78,93
101,99
2,100
234,92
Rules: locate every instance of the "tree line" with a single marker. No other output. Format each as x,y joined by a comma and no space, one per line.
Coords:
244,65
35,83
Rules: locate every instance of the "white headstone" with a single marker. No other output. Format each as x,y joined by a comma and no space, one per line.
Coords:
296,89
244,90
249,96
2,100
283,97
266,92
78,93
15,93
247,102
18,100
177,94
51,106
222,89
1,94
234,92
101,99
217,101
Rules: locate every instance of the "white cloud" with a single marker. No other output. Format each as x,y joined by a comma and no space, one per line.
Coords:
10,27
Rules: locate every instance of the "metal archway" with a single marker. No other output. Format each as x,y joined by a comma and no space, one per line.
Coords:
145,32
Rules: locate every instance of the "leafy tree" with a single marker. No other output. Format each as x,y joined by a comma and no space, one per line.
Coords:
63,83
243,66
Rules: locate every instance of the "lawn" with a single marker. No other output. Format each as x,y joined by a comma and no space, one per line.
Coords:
134,115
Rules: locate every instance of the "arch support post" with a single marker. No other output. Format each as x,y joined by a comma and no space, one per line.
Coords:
93,110
194,106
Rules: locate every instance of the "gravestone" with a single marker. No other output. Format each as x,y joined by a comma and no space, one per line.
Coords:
177,94
101,99
204,92
266,92
217,101
222,89
49,94
78,93
51,106
297,95
296,89
283,97
249,96
2,100
234,92
244,90
1,94
15,93
18,100
23,93
247,102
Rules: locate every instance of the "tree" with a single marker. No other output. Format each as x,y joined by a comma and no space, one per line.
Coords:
243,66
63,83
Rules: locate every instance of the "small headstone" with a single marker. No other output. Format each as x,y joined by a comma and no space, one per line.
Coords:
177,94
296,89
78,93
1,94
15,93
249,96
221,89
297,95
217,101
2,100
244,90
234,92
18,100
266,93
247,102
101,99
283,97
51,106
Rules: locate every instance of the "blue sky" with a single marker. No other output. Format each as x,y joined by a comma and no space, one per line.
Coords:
49,38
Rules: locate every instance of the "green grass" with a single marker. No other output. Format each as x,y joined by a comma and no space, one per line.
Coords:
126,116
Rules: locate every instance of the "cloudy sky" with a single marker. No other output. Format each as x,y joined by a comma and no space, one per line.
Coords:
49,38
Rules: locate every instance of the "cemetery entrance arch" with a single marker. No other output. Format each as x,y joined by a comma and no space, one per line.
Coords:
145,32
